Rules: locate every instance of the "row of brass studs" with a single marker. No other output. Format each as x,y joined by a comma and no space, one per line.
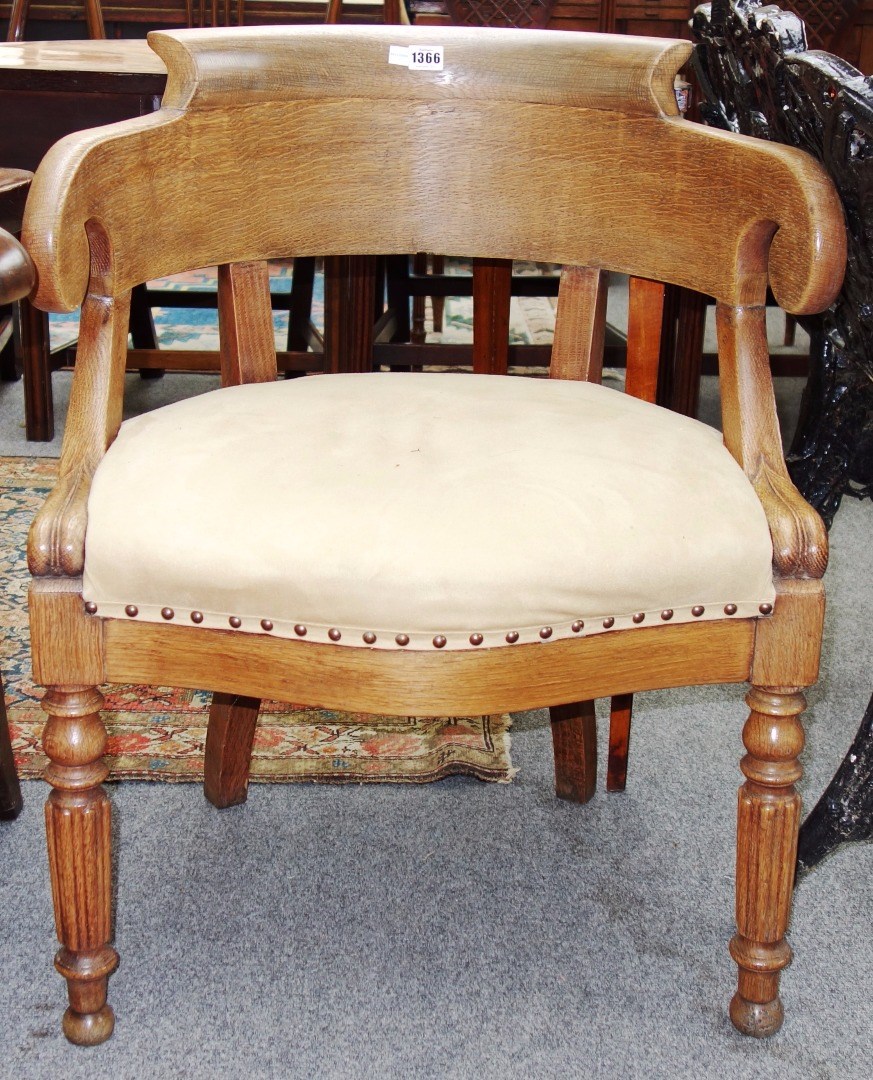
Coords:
440,641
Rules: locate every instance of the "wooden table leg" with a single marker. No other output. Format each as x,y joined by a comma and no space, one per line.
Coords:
300,312
688,360
17,20
142,327
492,288
39,415
349,299
8,367
10,791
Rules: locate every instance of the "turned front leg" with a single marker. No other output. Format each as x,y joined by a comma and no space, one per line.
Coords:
77,816
767,824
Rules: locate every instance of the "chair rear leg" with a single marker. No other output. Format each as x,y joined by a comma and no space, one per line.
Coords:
574,739
229,739
620,713
768,818
10,790
78,822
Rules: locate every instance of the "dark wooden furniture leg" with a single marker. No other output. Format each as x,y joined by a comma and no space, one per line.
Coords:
17,20
845,811
39,414
574,740
349,299
19,11
302,284
229,738
620,714
397,274
438,303
492,288
688,358
142,327
417,331
94,19
10,790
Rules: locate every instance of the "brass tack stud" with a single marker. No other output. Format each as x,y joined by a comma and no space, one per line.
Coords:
512,637
334,634
667,614
91,607
402,639
266,625
765,609
577,626
439,642
235,621
546,632
197,617
608,623
300,630
476,639
369,637
730,609
639,617
131,610
698,610
167,613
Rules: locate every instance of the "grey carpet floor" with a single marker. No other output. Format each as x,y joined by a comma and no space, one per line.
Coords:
465,930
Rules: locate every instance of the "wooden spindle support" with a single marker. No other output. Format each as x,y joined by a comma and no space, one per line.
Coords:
78,821
768,818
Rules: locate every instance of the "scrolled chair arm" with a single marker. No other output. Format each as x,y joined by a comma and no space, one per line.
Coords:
751,433
56,543
800,539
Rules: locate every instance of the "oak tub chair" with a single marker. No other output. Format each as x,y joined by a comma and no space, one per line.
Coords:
423,543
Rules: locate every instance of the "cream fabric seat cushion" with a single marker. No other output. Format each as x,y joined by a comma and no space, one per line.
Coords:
422,507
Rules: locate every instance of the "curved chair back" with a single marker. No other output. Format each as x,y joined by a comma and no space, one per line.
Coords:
376,157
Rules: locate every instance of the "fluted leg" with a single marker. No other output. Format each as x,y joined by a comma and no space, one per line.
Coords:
77,816
767,822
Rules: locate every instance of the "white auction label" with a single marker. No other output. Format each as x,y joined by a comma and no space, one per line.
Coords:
417,57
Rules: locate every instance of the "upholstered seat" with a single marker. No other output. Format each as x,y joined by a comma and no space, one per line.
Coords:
422,508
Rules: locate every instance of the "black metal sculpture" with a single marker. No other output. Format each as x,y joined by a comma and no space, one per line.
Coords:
758,78
845,810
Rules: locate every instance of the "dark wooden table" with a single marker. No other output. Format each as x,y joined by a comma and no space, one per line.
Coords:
48,90
53,88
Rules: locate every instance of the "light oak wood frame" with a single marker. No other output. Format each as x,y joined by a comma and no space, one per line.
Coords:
560,148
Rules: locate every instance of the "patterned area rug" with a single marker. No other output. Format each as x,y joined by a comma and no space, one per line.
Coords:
160,733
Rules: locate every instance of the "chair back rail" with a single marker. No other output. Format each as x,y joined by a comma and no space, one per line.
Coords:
295,169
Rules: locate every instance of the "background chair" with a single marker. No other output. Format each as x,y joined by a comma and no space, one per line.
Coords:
16,280
423,544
